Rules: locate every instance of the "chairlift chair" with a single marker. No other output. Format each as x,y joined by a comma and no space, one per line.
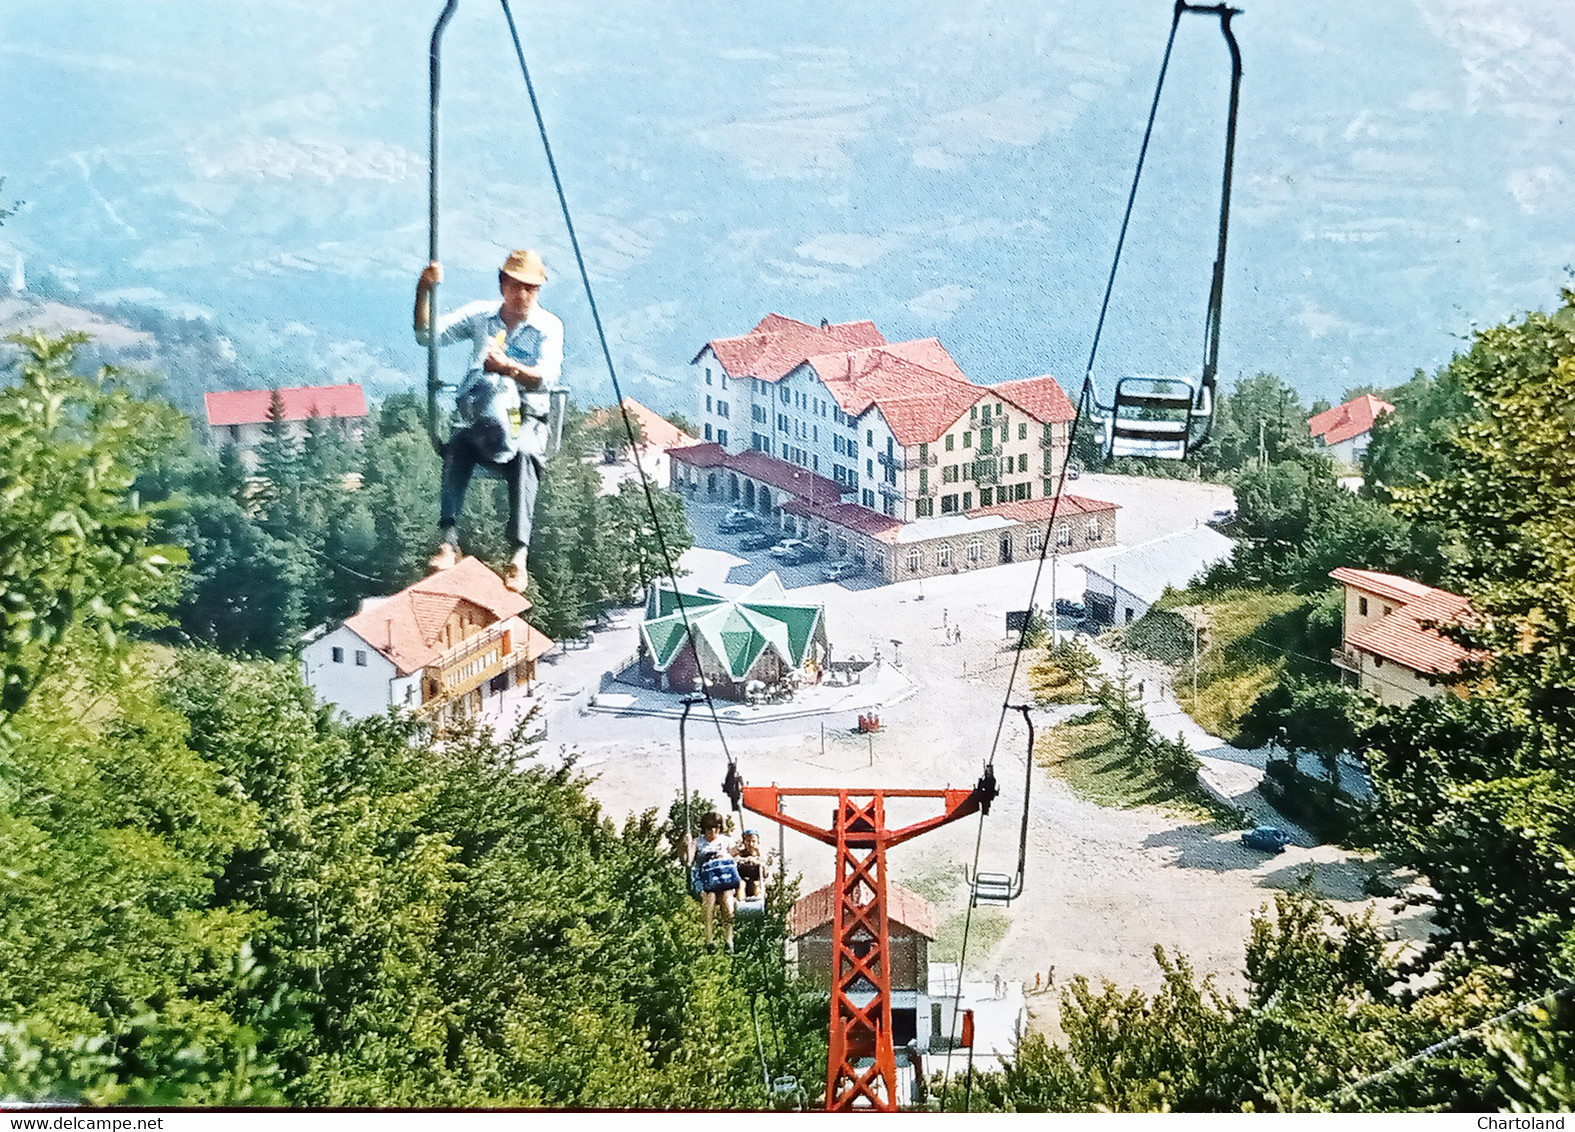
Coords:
1162,417
1169,417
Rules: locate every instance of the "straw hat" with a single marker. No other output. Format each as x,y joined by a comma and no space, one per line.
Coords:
526,266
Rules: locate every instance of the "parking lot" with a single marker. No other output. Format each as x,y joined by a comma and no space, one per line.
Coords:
706,519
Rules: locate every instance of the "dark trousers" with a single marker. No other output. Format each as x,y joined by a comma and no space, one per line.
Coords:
471,448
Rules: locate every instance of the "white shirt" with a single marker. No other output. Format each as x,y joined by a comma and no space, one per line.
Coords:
537,341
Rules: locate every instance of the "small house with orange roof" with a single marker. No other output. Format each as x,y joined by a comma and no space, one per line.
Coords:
240,417
658,436
442,648
1391,644
912,929
1346,430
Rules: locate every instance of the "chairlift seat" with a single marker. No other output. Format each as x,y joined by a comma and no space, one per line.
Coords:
1153,416
993,888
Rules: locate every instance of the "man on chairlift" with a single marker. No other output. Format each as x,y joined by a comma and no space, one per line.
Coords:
503,402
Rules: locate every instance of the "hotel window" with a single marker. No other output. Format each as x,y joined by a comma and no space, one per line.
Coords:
968,440
1036,541
869,438
967,501
880,562
923,508
1022,461
708,375
1024,490
914,559
1361,606
868,499
721,437
1048,487
986,496
1022,431
360,658
708,432
1093,530
949,473
1063,534
708,402
973,413
975,549
943,556
339,655
948,504
949,439
722,409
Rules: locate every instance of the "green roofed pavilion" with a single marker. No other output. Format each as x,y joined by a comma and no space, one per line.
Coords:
759,635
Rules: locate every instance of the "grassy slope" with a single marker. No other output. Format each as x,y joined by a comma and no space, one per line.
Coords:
1252,637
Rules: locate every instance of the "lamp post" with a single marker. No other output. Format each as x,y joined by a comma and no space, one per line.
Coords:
683,749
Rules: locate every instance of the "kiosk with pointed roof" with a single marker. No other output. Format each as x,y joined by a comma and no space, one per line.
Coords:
758,635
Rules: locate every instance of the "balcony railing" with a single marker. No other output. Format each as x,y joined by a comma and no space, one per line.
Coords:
470,664
987,471
890,489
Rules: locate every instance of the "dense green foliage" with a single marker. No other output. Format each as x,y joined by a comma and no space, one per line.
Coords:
329,519
215,894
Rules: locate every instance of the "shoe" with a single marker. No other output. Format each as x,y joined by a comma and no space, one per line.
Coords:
446,558
517,578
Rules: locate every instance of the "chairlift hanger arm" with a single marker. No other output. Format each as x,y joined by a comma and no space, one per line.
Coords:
957,804
435,77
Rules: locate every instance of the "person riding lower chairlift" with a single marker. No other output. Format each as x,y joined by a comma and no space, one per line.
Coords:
716,872
502,405
754,870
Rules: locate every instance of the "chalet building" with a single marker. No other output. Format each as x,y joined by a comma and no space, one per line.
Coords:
914,1017
1390,645
897,426
241,417
442,648
1346,430
1123,586
758,637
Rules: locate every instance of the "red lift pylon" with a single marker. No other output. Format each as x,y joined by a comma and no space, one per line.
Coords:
861,953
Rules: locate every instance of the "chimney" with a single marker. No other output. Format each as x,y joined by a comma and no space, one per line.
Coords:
824,323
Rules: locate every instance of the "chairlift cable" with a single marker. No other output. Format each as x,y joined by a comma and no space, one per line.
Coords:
612,369
962,958
1126,219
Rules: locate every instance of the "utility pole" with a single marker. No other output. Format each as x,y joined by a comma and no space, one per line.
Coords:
1195,618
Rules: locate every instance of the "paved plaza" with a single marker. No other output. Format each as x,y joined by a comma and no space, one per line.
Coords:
1103,886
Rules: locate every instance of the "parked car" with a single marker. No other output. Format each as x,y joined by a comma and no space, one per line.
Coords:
786,547
1073,470
1066,607
759,538
1267,838
1222,517
836,571
802,553
738,521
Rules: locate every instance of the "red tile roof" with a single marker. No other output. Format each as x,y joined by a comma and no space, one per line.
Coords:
764,469
1040,397
788,477
659,432
903,906
705,455
1403,636
849,516
1350,419
1033,510
920,399
407,627
252,406
778,345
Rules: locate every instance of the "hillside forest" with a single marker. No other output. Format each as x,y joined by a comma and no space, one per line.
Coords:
217,893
